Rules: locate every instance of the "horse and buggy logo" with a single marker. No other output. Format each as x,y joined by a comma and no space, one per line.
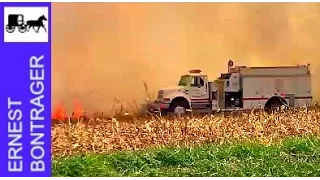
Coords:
16,21
26,24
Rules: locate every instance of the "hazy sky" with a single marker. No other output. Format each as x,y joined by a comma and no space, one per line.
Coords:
103,51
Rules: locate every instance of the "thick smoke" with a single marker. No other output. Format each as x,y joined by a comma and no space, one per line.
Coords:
103,51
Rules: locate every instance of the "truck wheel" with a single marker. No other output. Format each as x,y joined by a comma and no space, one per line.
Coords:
275,104
179,107
179,110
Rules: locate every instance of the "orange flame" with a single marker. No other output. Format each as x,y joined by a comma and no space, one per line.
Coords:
77,110
59,113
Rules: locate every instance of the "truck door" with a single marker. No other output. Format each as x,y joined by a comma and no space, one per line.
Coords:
220,93
198,92
198,87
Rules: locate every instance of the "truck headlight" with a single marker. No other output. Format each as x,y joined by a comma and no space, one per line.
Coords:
166,99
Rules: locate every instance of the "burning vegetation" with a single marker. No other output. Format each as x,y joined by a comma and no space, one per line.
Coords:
60,115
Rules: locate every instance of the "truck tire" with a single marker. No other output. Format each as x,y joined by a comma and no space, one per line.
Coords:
174,107
274,104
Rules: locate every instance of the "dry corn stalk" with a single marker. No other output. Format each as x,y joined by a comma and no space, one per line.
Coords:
123,134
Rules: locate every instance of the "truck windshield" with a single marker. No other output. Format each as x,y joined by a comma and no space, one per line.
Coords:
184,80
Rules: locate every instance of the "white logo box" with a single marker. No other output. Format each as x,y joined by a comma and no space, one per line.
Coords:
26,14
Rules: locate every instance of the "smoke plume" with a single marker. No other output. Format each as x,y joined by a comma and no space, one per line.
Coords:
103,51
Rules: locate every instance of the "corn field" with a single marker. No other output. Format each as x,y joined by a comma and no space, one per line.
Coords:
99,135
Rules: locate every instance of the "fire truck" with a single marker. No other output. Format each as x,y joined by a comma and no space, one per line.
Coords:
241,88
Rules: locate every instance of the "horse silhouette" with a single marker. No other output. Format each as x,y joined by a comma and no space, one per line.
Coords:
37,23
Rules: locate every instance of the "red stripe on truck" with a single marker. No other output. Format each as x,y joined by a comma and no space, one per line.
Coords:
254,98
199,99
257,98
306,97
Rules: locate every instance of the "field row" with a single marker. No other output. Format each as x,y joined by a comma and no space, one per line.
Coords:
101,135
298,156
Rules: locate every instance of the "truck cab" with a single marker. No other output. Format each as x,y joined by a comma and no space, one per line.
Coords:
195,84
192,92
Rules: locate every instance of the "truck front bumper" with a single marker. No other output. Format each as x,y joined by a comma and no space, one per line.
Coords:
156,106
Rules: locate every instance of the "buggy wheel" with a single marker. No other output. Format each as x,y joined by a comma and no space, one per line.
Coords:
22,28
9,29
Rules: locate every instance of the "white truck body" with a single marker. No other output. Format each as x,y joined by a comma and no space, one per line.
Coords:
241,88
261,83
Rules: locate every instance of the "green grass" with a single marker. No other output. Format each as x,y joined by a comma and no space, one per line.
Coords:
297,156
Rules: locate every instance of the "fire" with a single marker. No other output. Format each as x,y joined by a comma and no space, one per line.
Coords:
77,110
59,113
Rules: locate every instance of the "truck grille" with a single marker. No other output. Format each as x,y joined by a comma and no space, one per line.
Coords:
160,94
